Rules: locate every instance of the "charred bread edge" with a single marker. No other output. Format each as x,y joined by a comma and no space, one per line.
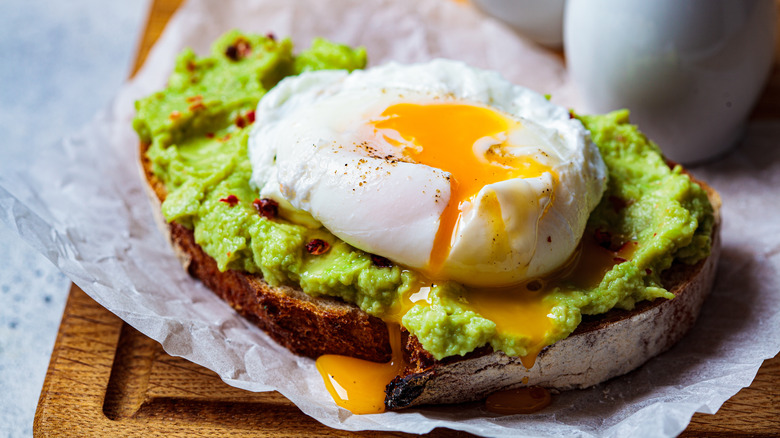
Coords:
601,348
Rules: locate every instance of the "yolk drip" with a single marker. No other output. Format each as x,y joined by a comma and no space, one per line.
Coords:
517,311
443,136
594,261
418,294
467,142
359,385
527,400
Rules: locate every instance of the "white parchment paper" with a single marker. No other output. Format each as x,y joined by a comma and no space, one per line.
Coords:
82,204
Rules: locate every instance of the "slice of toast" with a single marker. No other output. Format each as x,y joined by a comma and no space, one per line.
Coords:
602,347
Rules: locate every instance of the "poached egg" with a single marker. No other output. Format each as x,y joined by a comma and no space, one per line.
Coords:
440,167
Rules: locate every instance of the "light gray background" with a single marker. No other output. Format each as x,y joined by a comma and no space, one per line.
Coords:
60,62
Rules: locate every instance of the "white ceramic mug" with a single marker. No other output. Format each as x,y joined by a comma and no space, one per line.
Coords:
539,20
689,71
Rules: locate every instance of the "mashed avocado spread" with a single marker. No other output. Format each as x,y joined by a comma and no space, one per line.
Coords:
197,129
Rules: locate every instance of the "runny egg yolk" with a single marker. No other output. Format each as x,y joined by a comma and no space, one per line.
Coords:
467,141
358,385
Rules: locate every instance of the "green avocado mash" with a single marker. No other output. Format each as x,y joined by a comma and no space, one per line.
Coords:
197,130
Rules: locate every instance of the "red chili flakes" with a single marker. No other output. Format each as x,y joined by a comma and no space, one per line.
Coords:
196,98
231,200
381,262
238,50
191,66
224,139
271,36
648,271
549,239
571,114
197,106
232,52
317,247
174,115
268,208
619,260
209,135
244,121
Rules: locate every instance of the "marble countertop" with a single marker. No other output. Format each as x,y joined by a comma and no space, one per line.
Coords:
61,63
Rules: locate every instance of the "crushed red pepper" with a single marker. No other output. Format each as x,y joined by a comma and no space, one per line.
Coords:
238,50
381,262
231,200
268,208
243,121
317,247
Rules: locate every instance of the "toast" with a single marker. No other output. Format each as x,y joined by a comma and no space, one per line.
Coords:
616,342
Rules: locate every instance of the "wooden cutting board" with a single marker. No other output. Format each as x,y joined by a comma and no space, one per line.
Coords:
107,379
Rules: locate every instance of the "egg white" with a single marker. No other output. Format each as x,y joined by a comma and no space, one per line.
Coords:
312,150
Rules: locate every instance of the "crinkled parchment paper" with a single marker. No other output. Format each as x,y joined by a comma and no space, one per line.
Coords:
82,204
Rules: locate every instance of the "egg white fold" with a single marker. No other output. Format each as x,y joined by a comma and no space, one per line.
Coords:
314,144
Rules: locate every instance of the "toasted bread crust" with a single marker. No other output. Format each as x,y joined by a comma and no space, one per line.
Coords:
615,343
308,326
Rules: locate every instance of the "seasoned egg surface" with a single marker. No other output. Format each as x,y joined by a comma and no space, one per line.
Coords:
441,167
